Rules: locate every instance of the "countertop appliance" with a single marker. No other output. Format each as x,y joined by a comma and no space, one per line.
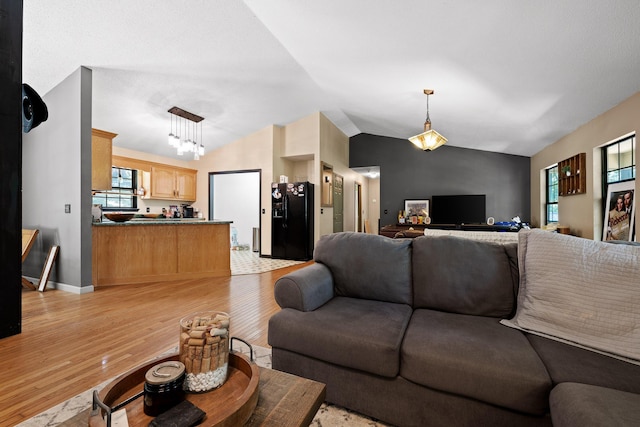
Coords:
292,221
187,211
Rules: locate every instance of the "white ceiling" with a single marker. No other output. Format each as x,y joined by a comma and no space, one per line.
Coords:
508,76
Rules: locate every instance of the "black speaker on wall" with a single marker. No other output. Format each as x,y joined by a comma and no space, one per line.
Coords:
34,110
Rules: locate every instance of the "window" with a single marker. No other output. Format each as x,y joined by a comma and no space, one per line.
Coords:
123,193
619,161
552,195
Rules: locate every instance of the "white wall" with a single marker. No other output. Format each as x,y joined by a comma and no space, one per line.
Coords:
57,171
253,152
334,150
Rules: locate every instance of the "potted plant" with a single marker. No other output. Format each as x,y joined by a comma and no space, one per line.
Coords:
566,169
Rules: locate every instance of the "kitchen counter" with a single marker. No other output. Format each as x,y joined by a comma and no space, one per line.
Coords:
148,250
162,221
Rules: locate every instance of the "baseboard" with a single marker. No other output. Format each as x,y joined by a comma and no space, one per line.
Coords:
63,286
71,288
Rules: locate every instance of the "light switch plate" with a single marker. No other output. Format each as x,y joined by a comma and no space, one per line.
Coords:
67,208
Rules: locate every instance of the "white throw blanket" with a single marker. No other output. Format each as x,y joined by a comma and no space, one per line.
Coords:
580,291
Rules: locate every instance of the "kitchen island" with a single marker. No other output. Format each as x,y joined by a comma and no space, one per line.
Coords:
144,251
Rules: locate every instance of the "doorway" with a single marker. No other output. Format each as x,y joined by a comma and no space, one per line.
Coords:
235,196
358,208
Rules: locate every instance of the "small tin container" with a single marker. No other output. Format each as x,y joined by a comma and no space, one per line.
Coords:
163,387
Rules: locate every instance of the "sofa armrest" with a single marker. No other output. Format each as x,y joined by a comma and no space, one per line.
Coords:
305,289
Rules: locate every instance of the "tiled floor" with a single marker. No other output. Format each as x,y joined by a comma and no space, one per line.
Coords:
249,262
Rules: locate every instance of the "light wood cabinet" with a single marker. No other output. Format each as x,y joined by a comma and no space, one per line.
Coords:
171,183
141,253
101,148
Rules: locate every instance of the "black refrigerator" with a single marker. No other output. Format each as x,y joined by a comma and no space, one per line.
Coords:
292,221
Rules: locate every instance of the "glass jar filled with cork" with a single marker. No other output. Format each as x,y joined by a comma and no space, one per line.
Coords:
204,350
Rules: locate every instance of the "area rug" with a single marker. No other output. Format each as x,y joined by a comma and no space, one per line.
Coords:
328,415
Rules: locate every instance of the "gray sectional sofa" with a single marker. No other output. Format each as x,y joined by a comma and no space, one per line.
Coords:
416,332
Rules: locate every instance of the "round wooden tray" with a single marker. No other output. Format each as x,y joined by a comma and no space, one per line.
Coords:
229,405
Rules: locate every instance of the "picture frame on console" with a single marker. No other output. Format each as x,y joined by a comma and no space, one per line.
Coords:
418,207
619,212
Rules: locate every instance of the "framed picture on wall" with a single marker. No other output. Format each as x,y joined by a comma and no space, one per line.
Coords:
619,212
416,207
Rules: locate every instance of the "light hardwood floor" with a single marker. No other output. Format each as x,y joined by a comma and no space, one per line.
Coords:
71,343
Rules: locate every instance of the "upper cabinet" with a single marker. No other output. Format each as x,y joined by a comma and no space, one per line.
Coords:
186,184
101,143
171,183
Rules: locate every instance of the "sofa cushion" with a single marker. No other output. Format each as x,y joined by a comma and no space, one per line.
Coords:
476,357
465,276
351,332
568,363
367,266
582,405
580,291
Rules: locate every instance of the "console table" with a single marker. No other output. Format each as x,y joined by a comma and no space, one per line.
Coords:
415,230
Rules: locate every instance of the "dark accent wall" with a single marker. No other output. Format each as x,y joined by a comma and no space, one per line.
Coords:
10,167
407,172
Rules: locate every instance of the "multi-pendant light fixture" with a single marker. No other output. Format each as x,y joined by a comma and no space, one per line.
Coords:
186,124
429,139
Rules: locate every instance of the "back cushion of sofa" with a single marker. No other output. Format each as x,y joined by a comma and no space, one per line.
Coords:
367,266
464,276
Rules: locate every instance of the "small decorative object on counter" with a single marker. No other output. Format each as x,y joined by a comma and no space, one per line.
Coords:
204,350
163,387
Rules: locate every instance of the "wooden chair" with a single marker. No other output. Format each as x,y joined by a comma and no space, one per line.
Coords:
28,239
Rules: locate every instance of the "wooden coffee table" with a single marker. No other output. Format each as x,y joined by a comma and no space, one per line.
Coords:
284,400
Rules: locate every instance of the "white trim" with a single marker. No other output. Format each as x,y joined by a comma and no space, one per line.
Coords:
63,286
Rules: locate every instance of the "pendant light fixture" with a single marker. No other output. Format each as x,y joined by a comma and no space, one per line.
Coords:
190,122
171,137
428,140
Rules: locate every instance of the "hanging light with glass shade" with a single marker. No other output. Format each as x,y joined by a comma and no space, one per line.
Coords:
186,144
428,140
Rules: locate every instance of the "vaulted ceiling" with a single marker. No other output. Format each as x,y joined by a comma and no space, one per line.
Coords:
508,76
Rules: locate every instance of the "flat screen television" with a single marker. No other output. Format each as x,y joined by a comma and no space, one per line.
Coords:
460,209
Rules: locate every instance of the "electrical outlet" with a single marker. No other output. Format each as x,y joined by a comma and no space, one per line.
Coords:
148,209
67,208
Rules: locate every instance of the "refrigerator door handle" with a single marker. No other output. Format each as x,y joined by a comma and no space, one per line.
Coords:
286,210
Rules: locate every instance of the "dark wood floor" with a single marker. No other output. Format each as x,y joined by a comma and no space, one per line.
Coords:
71,343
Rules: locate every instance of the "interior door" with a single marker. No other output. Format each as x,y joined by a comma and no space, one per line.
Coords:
338,203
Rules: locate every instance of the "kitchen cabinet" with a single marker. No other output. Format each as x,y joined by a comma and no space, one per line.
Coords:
186,185
165,250
171,183
101,147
